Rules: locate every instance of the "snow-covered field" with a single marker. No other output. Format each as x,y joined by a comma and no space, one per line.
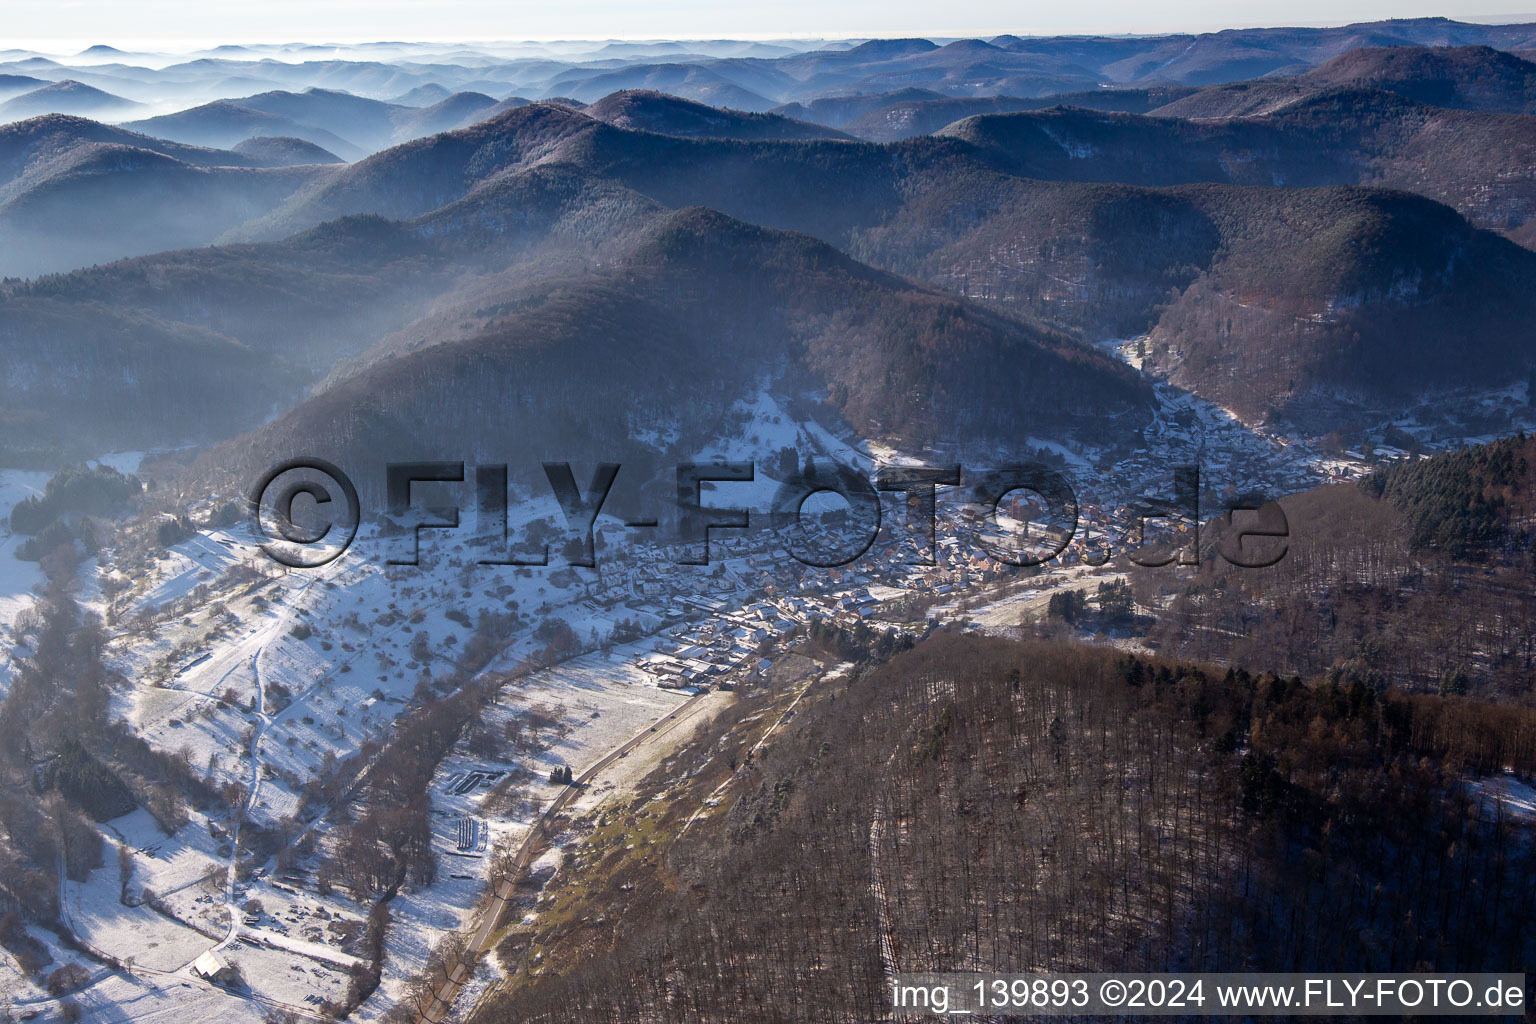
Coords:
97,915
599,701
143,997
1513,796
266,683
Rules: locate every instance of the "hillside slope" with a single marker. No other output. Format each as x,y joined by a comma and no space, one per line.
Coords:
1298,303
1483,164
282,151
588,365
649,111
1166,817
67,97
1455,77
99,202
925,116
225,123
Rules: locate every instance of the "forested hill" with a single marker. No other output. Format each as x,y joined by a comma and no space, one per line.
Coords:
1419,577
1470,503
982,804
693,314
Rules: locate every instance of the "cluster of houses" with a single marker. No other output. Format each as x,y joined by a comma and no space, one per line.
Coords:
723,640
753,590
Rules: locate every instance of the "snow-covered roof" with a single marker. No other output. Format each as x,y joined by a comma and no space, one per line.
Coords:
207,964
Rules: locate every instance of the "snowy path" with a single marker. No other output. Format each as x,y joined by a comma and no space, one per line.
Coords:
276,629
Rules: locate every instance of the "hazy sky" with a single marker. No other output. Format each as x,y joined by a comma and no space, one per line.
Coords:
74,23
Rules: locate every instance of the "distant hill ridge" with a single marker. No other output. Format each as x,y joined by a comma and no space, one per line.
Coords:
648,110
67,97
1257,255
1463,78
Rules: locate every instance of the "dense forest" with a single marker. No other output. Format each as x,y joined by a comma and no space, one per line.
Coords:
983,804
1417,577
1471,504
74,491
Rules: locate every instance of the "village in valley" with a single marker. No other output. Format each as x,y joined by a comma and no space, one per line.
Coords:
283,688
